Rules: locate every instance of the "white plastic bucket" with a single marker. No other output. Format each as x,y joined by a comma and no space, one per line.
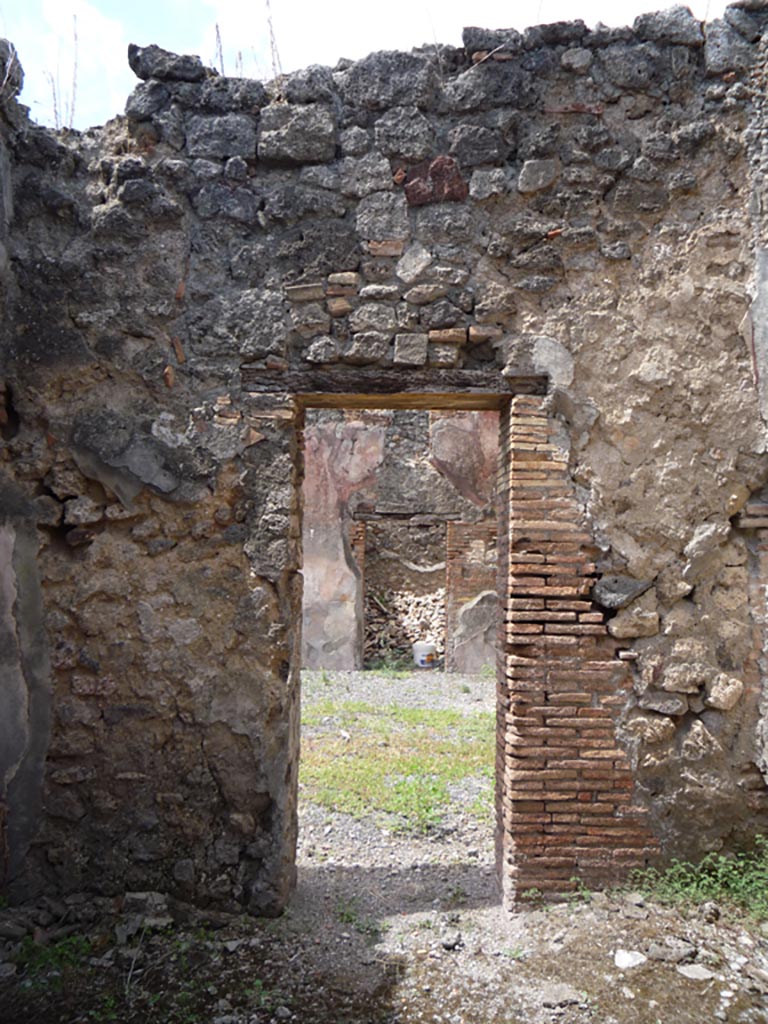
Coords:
424,654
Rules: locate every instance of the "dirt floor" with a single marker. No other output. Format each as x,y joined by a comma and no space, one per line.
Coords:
385,927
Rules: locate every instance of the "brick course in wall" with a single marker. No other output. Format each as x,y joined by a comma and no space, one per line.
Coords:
565,799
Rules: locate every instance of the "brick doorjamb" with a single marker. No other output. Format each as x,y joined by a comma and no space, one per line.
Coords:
566,806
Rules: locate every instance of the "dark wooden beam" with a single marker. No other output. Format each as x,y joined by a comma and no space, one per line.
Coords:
353,388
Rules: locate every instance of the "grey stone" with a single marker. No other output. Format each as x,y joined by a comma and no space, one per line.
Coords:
665,703
557,993
749,24
537,174
382,216
577,59
154,62
489,85
104,440
440,314
636,67
675,25
373,316
626,959
296,134
411,349
221,136
366,348
616,251
79,511
218,200
354,141
405,132
695,972
221,95
725,49
286,204
390,79
476,39
617,591
313,84
451,940
486,184
556,33
672,950
146,99
236,169
322,350
414,261
360,176
472,144
13,929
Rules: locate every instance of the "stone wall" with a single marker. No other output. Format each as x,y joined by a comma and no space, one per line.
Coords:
449,227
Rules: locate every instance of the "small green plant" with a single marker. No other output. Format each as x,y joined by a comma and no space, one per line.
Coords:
37,959
580,894
347,912
457,895
257,994
739,880
105,1011
394,665
465,688
532,895
517,953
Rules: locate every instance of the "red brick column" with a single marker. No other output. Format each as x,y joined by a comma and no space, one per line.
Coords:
564,786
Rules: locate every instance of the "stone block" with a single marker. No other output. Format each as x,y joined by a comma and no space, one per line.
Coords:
413,262
724,692
383,217
154,62
536,175
360,176
472,144
405,132
444,355
373,316
411,349
296,135
223,136
366,348
725,49
676,25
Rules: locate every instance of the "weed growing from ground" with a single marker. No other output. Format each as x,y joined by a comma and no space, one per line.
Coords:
739,880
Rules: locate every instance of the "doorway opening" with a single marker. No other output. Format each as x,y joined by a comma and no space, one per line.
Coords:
397,772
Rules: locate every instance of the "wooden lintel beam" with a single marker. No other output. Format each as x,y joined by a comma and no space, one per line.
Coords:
354,388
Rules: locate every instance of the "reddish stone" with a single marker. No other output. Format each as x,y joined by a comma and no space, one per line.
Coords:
435,181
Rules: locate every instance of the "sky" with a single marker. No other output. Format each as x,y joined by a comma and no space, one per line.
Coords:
74,52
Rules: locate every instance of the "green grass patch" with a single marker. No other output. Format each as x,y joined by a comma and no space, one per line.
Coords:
395,763
739,880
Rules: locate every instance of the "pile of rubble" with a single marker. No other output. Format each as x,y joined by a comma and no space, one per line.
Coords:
396,619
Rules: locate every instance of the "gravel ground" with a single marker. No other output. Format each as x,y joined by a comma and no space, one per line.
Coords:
393,929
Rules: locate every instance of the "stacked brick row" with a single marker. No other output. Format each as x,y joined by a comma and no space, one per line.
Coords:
566,808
